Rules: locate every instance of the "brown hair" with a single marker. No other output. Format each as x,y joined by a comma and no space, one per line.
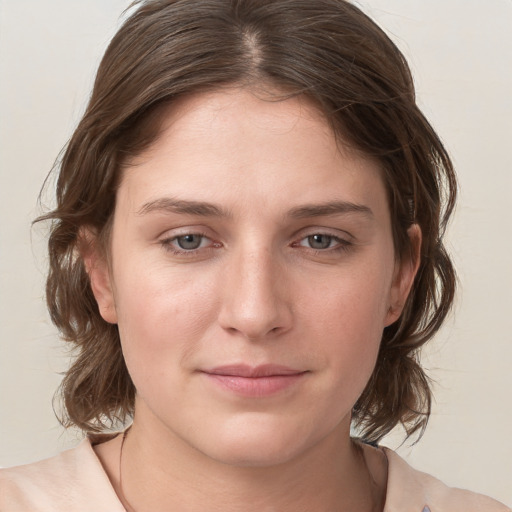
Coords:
326,49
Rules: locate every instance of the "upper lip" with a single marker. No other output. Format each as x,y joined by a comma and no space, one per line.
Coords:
243,370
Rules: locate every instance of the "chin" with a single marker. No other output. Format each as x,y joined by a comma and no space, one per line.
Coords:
256,442
247,454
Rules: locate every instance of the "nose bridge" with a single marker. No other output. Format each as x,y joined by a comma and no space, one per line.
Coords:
254,297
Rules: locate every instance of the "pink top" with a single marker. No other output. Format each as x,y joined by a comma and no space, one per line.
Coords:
75,481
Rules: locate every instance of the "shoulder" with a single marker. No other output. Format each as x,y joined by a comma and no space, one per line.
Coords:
415,491
73,480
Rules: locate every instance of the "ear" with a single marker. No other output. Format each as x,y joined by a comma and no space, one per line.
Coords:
97,268
403,277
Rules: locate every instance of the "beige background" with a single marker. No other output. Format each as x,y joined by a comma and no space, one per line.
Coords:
461,55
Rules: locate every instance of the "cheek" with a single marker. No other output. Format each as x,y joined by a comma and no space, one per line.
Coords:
161,317
348,320
354,301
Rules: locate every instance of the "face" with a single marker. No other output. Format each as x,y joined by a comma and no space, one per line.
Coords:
252,273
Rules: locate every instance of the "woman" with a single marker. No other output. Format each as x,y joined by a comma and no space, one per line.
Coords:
247,252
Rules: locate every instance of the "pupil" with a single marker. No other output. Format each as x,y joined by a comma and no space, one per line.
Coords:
319,241
189,241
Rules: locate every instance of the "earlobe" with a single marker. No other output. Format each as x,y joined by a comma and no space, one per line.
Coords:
404,275
98,270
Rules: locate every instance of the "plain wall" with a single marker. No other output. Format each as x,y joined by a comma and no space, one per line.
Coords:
460,52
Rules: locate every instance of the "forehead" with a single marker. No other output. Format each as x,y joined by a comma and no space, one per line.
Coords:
215,144
231,109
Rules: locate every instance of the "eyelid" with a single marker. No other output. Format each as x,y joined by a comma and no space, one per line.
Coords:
336,239
344,241
186,229
202,240
166,241
340,234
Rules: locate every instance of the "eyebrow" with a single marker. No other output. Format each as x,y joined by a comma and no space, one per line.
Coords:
205,209
180,206
330,208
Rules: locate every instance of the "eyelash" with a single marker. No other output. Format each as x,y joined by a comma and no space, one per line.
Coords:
343,245
168,246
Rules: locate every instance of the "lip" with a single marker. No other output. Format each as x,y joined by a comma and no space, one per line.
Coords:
254,381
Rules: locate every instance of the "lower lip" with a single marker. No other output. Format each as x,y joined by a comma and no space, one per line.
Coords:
256,386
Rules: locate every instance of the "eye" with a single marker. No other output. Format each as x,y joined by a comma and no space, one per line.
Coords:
189,242
321,241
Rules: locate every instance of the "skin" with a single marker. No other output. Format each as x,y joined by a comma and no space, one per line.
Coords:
271,281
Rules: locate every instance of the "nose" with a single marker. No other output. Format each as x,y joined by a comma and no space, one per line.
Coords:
255,295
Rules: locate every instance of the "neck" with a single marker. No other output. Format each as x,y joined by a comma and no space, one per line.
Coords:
161,472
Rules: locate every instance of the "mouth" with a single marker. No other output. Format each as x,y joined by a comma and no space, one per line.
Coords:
254,381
